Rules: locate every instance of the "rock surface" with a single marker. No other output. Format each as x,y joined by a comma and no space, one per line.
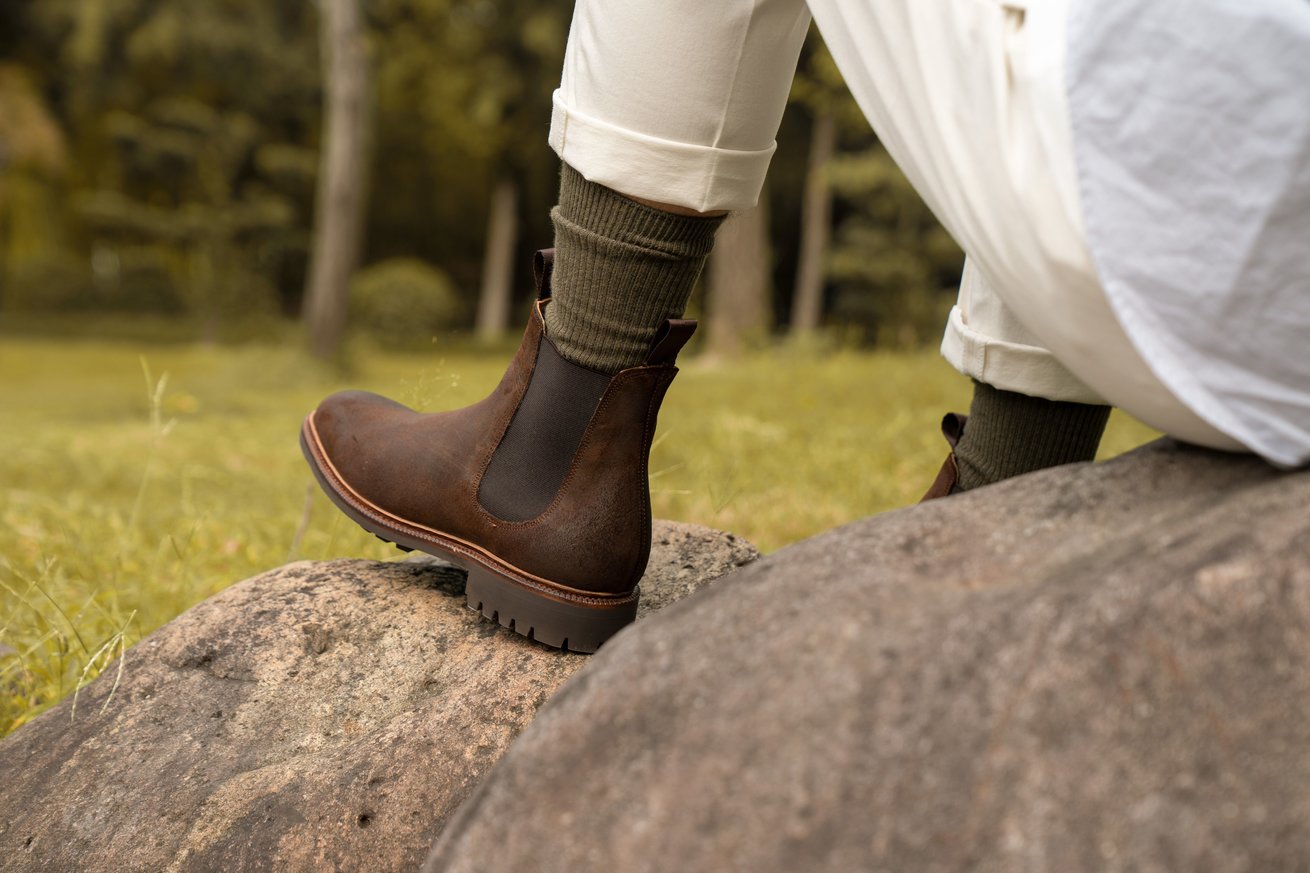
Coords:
323,716
1094,668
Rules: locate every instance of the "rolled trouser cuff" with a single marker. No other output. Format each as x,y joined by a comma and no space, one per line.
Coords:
703,178
1011,366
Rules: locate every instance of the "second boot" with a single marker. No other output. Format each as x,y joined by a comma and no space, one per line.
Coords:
539,491
948,477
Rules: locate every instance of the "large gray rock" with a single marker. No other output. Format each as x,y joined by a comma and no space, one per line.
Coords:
1095,668
323,716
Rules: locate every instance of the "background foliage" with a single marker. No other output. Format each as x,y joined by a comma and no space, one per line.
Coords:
160,156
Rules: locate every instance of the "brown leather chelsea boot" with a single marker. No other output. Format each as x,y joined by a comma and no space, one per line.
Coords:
539,491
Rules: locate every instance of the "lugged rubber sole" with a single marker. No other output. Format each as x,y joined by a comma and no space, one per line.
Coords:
551,614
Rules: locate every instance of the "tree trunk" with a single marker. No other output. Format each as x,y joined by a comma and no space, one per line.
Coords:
342,181
498,261
816,228
738,304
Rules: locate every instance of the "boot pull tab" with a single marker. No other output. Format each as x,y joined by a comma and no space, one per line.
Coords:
953,427
543,263
669,341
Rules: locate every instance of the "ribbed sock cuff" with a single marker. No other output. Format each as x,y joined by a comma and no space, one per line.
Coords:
621,269
1009,434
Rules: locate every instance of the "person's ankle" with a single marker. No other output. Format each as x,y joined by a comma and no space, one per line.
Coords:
1009,434
622,269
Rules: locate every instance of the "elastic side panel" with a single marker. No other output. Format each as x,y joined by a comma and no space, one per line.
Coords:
532,460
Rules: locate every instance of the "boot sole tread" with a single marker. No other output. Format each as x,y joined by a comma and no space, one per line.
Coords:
551,614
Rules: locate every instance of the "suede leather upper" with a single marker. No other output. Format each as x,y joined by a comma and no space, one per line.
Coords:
426,469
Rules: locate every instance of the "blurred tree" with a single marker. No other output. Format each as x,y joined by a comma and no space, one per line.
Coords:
889,268
342,180
895,267
820,90
816,227
33,159
523,53
868,245
169,106
738,286
12,17
498,264
464,103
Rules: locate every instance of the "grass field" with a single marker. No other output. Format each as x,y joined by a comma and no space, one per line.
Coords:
136,480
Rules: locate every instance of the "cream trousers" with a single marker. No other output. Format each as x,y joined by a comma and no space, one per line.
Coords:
679,101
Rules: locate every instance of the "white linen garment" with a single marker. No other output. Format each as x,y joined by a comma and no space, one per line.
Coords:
1191,126
1107,262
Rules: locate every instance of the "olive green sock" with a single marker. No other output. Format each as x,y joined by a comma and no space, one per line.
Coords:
621,270
1009,434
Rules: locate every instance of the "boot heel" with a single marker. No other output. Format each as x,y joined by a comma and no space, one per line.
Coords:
573,627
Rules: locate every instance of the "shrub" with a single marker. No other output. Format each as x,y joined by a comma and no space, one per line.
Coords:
49,284
403,301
